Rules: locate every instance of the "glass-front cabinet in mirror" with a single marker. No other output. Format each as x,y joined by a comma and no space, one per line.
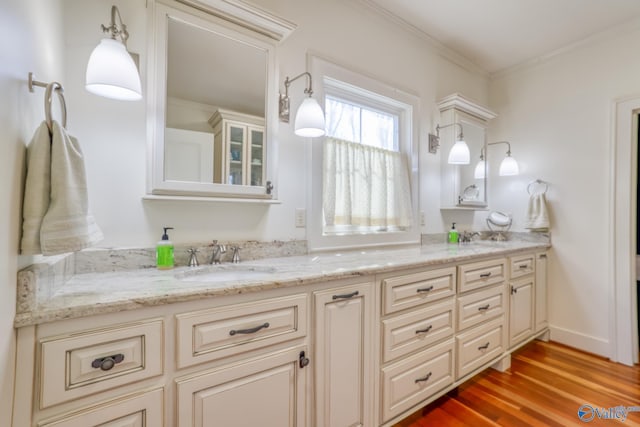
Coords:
211,76
461,186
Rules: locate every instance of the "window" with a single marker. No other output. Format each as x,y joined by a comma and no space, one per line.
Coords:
364,171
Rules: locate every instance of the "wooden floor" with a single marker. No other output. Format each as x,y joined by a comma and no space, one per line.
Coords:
546,385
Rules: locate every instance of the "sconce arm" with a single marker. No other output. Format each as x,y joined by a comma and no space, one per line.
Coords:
460,135
113,30
502,142
288,81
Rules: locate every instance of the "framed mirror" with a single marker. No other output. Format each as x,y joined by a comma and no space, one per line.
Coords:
211,123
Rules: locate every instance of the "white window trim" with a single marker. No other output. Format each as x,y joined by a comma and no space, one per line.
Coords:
408,106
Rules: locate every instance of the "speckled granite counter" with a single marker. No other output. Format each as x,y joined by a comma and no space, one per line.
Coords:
95,293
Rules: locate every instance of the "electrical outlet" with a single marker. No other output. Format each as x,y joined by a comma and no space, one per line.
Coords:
301,217
422,220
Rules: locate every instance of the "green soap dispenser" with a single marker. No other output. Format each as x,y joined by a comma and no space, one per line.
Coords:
453,234
164,251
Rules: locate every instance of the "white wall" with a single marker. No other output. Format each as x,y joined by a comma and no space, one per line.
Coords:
32,41
112,133
557,115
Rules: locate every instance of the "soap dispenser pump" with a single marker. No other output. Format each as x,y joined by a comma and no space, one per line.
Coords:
164,251
453,234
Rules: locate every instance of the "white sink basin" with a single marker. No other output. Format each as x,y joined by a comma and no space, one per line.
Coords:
215,275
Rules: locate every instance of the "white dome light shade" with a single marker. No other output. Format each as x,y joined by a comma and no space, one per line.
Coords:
309,119
509,166
112,73
478,173
459,154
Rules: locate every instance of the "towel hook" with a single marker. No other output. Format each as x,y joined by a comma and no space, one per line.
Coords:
532,185
48,99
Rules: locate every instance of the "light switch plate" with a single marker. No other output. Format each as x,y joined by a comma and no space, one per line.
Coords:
301,217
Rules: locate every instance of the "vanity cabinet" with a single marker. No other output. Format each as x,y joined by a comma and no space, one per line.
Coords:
238,148
541,291
343,355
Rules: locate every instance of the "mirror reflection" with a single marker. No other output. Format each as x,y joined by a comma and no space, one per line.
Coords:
215,107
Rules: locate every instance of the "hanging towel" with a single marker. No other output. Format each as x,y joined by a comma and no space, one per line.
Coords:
537,218
37,189
66,225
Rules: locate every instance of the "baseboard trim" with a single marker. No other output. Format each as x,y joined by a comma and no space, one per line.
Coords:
581,341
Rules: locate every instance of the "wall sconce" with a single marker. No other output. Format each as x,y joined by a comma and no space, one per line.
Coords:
508,166
309,118
111,71
459,154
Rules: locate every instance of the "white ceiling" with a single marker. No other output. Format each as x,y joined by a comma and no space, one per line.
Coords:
499,34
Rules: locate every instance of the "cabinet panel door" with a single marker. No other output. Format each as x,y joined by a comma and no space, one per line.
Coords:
142,410
541,291
521,308
344,354
266,392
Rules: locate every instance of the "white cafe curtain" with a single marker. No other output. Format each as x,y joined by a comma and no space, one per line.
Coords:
365,186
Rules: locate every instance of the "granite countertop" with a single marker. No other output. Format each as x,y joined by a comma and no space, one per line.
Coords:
96,293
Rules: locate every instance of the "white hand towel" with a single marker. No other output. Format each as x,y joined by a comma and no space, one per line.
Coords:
537,218
67,225
37,190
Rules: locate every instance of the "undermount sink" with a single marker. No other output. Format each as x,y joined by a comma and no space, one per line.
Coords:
226,274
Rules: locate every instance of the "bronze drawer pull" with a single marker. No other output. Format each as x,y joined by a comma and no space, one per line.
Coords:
106,363
484,307
425,330
250,330
484,347
425,378
485,275
346,296
427,289
523,266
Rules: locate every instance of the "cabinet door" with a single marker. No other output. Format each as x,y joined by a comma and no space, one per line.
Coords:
236,140
343,356
541,291
267,392
521,310
256,156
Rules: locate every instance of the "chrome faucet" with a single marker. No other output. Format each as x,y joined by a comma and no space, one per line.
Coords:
217,252
467,236
236,255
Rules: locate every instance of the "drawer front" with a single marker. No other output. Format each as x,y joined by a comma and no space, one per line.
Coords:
93,361
479,346
476,307
522,265
141,410
415,378
481,274
216,333
411,290
405,333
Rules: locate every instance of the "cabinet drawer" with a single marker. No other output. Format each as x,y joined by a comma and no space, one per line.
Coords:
522,265
405,333
92,361
415,378
130,411
479,306
411,290
216,333
480,274
479,346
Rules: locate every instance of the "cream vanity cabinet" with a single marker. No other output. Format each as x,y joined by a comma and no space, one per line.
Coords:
343,362
239,148
541,292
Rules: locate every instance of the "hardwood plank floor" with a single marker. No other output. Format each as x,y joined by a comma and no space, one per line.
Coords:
546,386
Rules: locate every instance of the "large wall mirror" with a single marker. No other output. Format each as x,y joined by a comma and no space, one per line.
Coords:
211,122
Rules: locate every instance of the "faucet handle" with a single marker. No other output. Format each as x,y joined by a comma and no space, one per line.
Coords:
213,243
236,254
193,258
